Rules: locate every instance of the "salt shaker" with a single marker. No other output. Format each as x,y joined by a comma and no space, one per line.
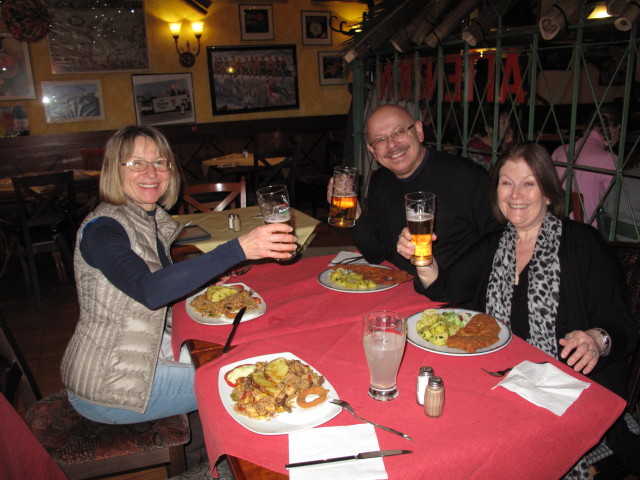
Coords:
236,223
230,220
424,375
434,397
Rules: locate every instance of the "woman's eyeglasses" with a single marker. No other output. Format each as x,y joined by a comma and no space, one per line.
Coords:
380,141
141,165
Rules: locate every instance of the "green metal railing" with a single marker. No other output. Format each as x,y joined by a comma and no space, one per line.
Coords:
446,87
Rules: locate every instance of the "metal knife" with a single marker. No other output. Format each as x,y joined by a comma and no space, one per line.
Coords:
236,322
359,456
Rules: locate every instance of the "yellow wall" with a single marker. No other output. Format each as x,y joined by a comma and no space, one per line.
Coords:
222,27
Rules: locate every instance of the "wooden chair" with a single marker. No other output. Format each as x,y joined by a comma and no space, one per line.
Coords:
267,172
204,197
82,448
47,207
577,207
92,158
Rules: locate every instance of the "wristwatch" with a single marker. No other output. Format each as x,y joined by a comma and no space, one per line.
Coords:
605,344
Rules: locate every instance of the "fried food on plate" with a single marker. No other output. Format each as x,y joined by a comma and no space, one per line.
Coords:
481,331
221,300
378,275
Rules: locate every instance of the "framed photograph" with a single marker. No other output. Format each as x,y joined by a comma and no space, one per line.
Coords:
163,98
256,22
73,101
315,28
332,69
253,79
90,36
16,79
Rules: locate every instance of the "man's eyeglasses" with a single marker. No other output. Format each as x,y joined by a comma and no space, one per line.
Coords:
401,132
141,165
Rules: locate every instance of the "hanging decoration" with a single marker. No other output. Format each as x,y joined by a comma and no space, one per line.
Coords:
27,20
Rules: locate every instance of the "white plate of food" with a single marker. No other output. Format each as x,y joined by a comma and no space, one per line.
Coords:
417,335
222,312
282,422
350,278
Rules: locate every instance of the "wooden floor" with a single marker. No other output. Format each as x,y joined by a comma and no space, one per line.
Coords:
42,332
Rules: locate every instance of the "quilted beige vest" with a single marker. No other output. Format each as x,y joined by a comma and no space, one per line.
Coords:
112,356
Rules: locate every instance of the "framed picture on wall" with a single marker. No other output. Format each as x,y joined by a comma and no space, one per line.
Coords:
256,22
90,36
331,68
73,101
253,79
16,79
163,98
315,28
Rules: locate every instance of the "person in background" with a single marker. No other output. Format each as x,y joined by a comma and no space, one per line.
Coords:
463,216
481,143
594,150
552,280
629,206
118,366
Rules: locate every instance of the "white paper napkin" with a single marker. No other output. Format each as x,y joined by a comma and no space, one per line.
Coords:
342,256
329,442
544,385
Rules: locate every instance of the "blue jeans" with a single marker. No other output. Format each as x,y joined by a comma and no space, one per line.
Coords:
172,393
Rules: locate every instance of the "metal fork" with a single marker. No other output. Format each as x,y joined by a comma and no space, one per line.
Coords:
349,409
502,373
350,260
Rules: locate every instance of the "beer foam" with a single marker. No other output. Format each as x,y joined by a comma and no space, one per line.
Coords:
419,217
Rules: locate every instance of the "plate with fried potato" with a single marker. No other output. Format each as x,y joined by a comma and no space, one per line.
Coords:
458,332
218,304
293,418
344,279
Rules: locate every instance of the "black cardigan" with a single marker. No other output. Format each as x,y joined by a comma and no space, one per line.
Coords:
592,293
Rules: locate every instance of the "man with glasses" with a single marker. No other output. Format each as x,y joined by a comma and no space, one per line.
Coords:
463,214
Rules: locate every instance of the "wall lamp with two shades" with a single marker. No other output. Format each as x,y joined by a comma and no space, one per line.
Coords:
187,55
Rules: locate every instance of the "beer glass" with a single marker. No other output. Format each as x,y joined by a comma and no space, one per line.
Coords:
344,197
384,338
420,208
275,206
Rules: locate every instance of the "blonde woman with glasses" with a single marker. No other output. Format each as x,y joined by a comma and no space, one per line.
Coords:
118,366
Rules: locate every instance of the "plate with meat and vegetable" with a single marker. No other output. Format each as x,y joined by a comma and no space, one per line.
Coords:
218,304
276,394
362,278
454,331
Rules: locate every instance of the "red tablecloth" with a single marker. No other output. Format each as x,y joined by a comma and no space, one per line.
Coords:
296,301
22,455
483,433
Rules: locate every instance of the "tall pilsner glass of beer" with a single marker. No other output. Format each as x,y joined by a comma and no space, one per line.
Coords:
420,208
275,206
344,197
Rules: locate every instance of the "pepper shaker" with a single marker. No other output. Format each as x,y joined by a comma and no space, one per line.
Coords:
424,374
434,397
236,223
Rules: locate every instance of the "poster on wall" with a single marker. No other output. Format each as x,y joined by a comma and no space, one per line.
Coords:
163,99
73,101
253,79
90,36
16,80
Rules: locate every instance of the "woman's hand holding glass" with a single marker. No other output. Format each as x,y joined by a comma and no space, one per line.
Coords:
269,241
582,350
405,247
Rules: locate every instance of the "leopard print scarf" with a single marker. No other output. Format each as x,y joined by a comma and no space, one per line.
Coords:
544,282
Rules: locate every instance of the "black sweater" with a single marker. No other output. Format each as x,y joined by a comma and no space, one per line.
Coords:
592,294
463,215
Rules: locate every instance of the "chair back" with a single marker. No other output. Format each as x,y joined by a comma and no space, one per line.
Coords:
267,170
605,225
577,209
16,382
92,158
203,197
